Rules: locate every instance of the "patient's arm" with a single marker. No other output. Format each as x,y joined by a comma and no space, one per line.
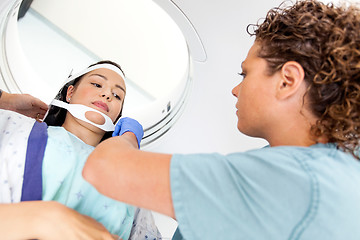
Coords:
119,170
24,104
47,220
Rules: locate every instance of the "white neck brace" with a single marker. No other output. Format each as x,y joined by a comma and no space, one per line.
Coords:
78,111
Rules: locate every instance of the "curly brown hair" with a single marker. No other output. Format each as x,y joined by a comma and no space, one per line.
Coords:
325,40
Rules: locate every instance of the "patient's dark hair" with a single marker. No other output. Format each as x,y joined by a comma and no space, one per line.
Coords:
56,115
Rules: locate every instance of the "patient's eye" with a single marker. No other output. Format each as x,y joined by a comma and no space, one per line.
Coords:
116,96
96,85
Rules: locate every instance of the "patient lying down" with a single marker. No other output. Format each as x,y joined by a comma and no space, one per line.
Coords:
44,160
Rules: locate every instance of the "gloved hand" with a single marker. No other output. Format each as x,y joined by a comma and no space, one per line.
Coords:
127,124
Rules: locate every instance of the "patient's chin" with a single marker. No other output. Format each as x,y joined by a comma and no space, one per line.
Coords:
95,117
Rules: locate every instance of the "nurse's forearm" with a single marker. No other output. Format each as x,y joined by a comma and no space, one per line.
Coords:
119,170
131,139
5,100
24,104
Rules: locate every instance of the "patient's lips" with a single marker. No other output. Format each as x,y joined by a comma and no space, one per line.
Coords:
101,105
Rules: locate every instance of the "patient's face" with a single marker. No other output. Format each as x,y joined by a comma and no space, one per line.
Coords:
101,89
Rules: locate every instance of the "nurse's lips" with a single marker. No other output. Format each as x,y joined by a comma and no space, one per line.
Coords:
101,105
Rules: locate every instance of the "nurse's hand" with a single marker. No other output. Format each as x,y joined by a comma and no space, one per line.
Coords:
48,220
59,222
127,124
24,104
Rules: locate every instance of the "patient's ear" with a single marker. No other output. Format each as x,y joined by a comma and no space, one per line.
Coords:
69,93
292,77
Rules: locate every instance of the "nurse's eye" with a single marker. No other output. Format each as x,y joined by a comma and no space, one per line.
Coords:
242,74
96,85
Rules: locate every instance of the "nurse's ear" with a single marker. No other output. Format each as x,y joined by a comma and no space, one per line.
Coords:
291,79
69,93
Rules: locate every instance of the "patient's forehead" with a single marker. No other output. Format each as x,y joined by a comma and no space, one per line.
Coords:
108,75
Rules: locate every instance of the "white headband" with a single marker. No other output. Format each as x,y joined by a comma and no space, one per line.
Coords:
97,66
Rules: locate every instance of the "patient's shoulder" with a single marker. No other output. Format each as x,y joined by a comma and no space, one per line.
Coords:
7,116
13,124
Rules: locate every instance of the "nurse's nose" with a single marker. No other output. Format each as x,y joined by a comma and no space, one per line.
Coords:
235,90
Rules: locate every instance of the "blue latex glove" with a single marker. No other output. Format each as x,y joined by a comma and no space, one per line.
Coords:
127,124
